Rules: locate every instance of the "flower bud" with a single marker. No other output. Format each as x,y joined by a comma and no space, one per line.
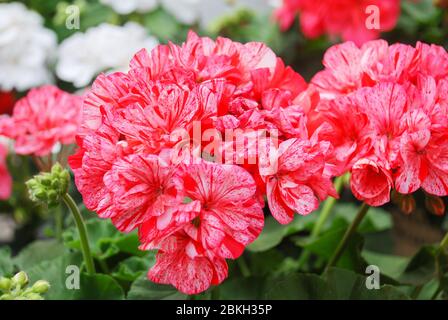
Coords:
40,286
434,204
48,187
5,284
405,202
7,296
32,296
20,279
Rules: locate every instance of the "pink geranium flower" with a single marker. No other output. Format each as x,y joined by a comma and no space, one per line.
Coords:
387,109
45,117
141,163
342,18
224,217
371,181
300,181
183,263
5,177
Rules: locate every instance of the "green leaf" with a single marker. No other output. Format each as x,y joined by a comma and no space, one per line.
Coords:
238,288
6,265
421,268
104,239
143,289
422,11
376,220
326,245
390,265
38,251
297,287
273,232
338,284
428,290
266,262
56,272
163,26
271,236
132,268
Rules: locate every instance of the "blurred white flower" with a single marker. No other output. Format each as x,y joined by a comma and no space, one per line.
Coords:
129,6
212,10
185,11
191,11
103,48
26,48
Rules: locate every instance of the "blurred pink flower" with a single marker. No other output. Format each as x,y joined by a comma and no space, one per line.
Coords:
45,117
342,18
5,177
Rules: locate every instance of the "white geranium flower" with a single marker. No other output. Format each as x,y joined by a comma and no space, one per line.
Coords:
207,11
26,48
129,6
103,48
185,11
191,11
212,10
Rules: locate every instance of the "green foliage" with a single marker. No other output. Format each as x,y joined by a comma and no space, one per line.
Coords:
38,251
337,284
132,268
143,289
105,240
6,266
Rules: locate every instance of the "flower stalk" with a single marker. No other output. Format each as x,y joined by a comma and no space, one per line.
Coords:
323,217
50,188
85,248
347,236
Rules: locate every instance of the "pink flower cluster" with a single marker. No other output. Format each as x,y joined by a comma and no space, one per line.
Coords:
342,18
386,107
195,212
5,177
45,117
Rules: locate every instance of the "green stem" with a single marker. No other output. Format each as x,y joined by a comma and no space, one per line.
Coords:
443,246
323,217
245,271
68,200
58,220
347,236
215,293
327,208
444,243
104,266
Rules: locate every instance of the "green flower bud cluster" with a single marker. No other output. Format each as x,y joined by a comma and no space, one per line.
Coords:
15,288
48,187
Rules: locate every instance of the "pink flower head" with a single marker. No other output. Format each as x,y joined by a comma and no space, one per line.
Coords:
348,67
45,117
142,187
223,214
343,18
385,113
5,177
183,263
424,144
131,165
300,181
228,218
231,216
194,239
371,181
